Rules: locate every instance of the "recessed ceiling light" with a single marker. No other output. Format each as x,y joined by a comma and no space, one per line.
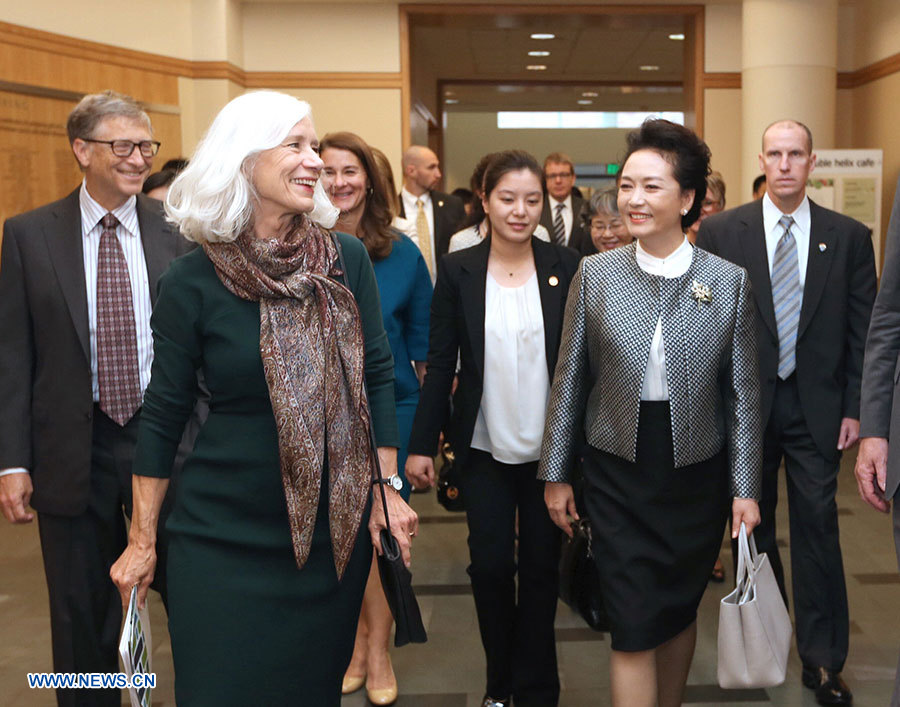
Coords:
584,102
649,67
543,35
536,67
590,94
451,101
536,53
449,93
678,37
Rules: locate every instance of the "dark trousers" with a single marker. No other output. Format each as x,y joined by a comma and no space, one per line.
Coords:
819,591
85,608
517,631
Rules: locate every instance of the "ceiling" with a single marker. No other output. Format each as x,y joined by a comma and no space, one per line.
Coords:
482,60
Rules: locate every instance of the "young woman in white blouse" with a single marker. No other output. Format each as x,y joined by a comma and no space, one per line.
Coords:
499,306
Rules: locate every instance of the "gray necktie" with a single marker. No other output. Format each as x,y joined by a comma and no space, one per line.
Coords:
786,296
559,226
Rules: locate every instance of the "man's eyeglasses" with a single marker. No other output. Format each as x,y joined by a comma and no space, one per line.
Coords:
552,176
124,148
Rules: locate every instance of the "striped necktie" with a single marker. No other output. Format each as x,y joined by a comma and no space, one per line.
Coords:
559,226
424,234
117,358
786,297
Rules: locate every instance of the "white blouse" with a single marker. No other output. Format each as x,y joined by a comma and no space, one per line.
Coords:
676,265
516,387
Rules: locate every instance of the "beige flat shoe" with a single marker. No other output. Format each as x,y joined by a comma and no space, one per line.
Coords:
352,683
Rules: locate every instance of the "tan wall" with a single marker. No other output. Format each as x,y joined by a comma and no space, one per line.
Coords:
321,37
874,108
877,30
723,135
162,27
722,50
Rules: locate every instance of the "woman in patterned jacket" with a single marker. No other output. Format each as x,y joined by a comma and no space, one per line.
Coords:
658,367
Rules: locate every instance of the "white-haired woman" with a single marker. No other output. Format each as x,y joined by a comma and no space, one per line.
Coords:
270,552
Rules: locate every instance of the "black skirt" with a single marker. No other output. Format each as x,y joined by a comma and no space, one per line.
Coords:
657,529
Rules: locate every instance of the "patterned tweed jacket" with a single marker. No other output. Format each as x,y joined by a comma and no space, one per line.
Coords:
709,334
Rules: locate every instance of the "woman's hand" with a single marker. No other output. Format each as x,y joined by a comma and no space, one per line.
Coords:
420,471
404,521
560,500
135,566
746,511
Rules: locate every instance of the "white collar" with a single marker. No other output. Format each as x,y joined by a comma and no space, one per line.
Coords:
772,214
92,212
409,197
675,265
555,202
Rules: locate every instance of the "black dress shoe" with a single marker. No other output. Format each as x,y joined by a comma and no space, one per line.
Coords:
491,702
829,686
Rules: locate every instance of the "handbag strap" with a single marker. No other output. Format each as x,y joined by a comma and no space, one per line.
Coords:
376,467
745,579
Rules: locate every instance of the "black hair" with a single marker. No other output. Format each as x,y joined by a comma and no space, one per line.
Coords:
176,164
463,193
502,163
163,178
476,184
680,147
758,182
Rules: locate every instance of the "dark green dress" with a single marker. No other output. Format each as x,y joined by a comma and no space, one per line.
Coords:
248,627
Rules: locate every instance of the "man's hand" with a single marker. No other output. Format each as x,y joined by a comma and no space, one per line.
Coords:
849,433
871,472
15,495
420,471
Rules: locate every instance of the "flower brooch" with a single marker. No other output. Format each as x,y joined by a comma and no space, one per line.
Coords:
701,293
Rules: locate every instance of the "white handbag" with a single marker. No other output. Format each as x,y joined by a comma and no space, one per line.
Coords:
754,626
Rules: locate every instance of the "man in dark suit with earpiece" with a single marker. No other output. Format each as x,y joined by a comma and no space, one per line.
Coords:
813,276
437,215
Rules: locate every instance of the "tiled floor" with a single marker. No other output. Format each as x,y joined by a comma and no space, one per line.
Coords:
448,671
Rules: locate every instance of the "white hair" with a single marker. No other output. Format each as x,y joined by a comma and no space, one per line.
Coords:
211,200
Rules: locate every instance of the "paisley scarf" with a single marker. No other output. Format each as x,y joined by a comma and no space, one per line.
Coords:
313,353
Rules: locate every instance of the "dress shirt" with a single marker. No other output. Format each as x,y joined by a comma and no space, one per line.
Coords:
406,227
516,387
129,234
800,229
567,215
411,211
676,265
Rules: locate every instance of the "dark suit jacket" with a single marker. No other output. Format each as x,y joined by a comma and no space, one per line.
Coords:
837,302
880,404
449,214
457,325
45,362
579,239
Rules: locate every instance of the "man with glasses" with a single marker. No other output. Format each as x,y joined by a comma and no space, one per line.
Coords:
77,284
561,207
813,276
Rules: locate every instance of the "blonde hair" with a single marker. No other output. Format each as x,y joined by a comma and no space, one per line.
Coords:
212,199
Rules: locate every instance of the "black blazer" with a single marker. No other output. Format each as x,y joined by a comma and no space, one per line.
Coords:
457,326
449,214
834,316
45,359
579,239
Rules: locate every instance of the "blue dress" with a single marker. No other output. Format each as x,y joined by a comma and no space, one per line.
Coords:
404,285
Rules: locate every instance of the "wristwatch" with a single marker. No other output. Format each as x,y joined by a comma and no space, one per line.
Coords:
394,481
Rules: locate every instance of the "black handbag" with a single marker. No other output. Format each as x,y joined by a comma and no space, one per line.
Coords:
449,489
396,579
579,580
